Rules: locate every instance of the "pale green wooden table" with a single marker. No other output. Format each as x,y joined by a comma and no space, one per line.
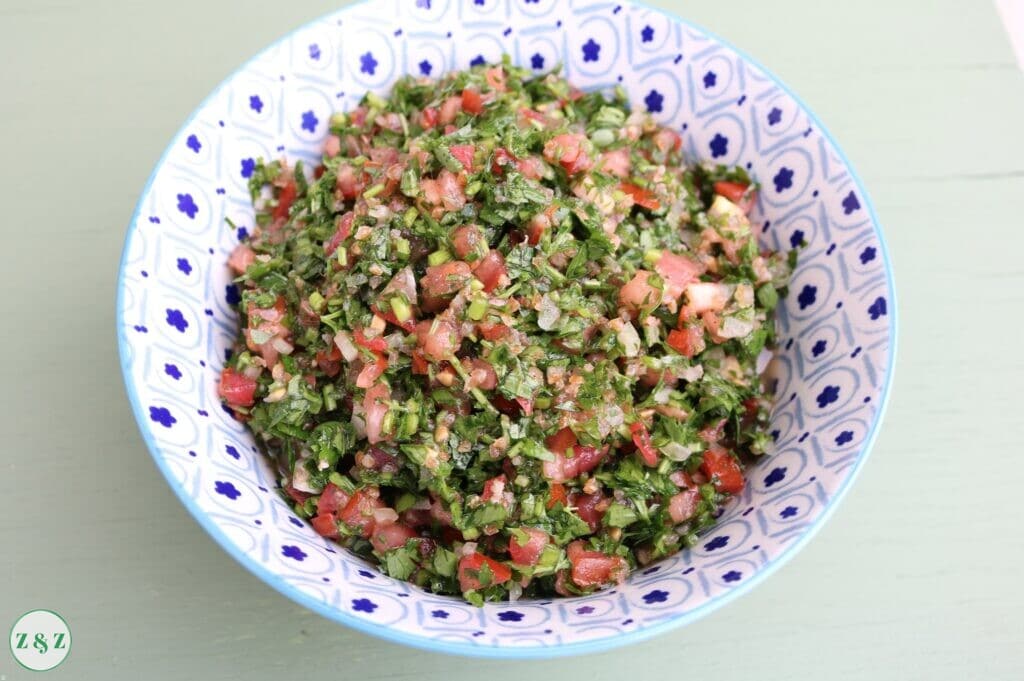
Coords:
916,577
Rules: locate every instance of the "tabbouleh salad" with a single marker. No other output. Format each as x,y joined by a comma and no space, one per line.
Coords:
504,341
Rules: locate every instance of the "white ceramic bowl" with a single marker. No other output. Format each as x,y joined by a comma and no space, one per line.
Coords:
837,326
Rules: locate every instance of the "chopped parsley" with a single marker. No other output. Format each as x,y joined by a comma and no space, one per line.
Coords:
504,339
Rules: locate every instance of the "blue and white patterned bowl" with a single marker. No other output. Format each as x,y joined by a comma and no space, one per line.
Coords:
837,326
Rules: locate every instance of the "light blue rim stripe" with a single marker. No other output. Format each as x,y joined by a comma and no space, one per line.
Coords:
468,649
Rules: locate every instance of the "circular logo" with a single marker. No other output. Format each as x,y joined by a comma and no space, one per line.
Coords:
40,640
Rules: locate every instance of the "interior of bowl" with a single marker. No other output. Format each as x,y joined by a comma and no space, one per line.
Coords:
836,326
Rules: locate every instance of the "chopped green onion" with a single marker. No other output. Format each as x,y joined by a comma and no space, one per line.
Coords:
477,309
317,302
438,257
401,309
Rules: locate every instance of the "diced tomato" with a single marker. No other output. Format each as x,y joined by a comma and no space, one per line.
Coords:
468,242
442,282
638,293
616,162
588,457
420,365
236,389
357,116
375,344
590,508
472,102
437,340
491,270
642,440
561,441
358,512
712,433
331,499
371,372
712,323
376,403
330,361
687,341
481,374
496,78
737,193
340,234
298,496
429,117
683,505
666,139
285,198
326,525
350,182
723,470
583,460
568,150
681,479
534,231
492,332
641,197
750,408
593,568
528,553
391,536
469,571
678,272
530,167
494,490
332,147
531,114
464,154
557,495
452,195
500,159
506,406
449,109
241,258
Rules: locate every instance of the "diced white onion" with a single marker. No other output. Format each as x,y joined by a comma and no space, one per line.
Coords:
662,395
690,374
384,516
345,346
259,337
629,339
548,313
282,346
733,327
514,592
676,451
301,480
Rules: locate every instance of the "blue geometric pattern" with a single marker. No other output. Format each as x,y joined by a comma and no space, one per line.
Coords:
836,327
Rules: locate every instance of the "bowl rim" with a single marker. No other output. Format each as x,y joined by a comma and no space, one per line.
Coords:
481,650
